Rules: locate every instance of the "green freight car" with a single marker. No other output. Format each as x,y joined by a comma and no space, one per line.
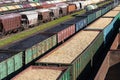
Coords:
10,61
77,52
34,46
44,73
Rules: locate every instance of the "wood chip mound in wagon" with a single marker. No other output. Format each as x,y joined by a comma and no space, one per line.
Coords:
32,73
68,51
116,8
100,23
111,14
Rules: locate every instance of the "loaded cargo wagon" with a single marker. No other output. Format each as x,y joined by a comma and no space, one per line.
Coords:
79,21
98,12
43,15
63,31
116,9
111,14
55,12
34,46
44,73
9,22
77,52
109,6
91,16
103,10
110,68
107,25
29,18
10,61
106,8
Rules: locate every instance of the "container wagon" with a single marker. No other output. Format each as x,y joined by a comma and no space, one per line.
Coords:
63,31
44,72
76,52
34,46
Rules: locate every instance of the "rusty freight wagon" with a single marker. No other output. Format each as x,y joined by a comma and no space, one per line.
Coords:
80,22
55,12
76,52
44,72
71,8
110,67
43,15
34,46
9,23
115,43
63,31
63,8
77,4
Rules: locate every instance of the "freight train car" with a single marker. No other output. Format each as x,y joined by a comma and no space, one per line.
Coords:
52,73
29,18
108,23
79,21
63,31
76,52
9,23
47,41
110,66
43,15
10,61
32,18
34,46
25,51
